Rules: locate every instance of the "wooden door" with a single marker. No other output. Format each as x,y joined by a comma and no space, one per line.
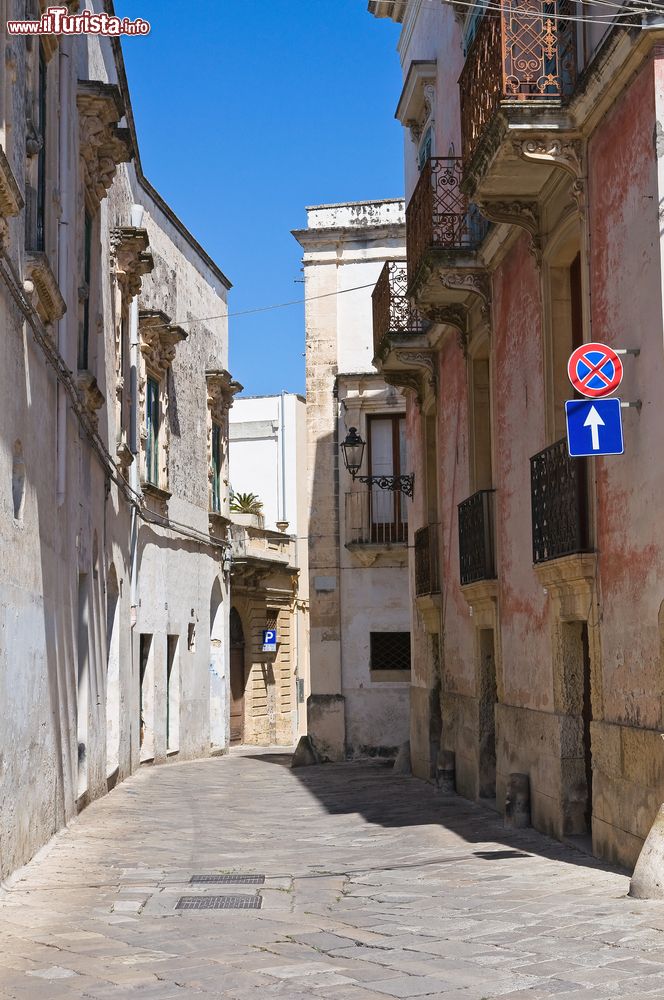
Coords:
237,677
237,694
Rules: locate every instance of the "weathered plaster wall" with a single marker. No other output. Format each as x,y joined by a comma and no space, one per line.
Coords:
626,273
519,433
348,712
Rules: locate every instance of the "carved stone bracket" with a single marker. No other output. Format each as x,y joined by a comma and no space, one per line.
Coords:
416,372
41,285
552,150
516,213
11,200
475,282
408,381
92,396
524,214
102,144
158,339
131,257
420,359
221,387
567,154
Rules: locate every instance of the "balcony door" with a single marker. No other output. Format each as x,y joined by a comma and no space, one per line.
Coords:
387,457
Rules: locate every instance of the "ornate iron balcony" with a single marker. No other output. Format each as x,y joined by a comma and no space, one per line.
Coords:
393,312
438,216
527,53
476,537
427,577
559,503
376,517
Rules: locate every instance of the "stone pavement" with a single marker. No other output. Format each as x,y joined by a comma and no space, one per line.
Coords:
375,887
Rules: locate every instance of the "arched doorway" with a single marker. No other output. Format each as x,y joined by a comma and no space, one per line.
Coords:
112,675
217,671
237,677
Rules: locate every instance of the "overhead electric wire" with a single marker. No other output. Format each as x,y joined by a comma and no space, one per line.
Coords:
276,305
622,10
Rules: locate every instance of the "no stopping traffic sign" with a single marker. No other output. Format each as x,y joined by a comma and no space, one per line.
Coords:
595,370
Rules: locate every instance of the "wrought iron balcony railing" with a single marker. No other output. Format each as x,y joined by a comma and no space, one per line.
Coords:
438,216
376,517
526,53
559,503
427,576
476,537
393,313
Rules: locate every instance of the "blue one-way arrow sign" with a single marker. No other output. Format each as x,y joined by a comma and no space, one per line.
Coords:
594,427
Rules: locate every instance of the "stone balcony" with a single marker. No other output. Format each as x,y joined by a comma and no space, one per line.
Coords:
516,86
258,553
444,231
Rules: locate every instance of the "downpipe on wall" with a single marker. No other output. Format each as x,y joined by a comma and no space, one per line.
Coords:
64,230
137,213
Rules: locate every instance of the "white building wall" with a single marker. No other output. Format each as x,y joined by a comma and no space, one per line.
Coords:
350,712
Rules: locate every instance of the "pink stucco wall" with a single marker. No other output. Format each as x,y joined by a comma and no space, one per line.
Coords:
626,308
454,486
519,432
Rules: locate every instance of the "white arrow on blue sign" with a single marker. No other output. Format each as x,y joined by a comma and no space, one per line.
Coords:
594,427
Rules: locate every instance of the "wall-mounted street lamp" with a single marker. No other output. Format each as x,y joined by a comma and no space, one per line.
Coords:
352,450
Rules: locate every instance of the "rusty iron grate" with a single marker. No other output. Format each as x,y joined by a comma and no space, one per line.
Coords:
227,880
219,903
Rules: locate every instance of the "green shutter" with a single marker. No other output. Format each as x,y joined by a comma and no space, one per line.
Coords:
152,429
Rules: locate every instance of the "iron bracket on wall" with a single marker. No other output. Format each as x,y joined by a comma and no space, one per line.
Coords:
398,484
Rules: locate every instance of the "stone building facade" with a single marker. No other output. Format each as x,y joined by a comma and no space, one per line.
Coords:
532,227
269,576
114,394
360,614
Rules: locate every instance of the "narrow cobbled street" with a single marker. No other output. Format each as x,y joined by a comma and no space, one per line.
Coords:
374,886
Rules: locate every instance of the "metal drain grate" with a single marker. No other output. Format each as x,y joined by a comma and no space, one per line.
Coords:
227,880
500,855
219,903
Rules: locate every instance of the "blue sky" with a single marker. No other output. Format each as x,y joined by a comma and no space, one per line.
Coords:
248,110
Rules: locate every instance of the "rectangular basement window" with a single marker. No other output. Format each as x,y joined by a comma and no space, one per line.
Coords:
390,651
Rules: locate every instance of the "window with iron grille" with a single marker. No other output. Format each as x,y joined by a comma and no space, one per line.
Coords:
84,328
216,468
41,158
390,650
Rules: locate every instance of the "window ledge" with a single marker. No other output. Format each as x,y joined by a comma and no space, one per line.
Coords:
380,553
156,498
390,676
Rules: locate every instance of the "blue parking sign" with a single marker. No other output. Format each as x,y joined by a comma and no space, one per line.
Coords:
269,640
594,427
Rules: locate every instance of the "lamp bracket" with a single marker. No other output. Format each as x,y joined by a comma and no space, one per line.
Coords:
398,484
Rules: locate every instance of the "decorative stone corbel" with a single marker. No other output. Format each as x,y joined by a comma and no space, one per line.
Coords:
476,282
42,286
103,145
548,149
92,396
158,339
11,199
131,258
221,387
568,155
524,214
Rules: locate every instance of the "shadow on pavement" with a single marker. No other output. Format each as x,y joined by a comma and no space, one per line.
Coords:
371,789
